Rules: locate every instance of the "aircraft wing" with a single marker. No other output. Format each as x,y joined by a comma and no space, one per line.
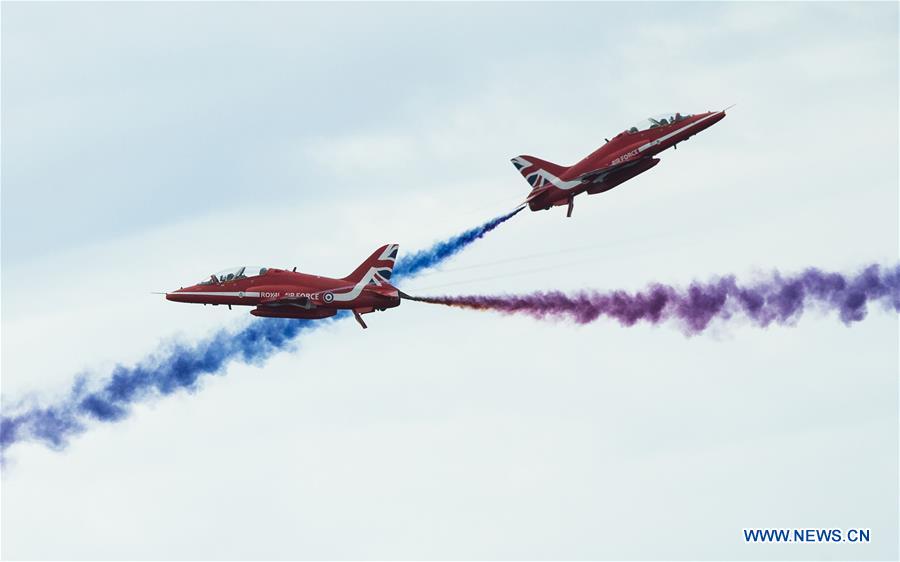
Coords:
594,175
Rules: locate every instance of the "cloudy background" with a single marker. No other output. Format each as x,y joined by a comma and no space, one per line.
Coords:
147,145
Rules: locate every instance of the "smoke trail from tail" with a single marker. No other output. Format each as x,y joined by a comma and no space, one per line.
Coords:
176,367
414,264
779,300
181,366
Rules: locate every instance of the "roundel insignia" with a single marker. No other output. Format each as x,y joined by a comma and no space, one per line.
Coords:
241,294
328,297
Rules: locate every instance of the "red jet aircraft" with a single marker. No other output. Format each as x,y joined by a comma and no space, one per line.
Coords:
280,293
628,154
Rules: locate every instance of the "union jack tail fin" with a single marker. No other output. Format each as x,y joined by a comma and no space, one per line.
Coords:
536,171
380,264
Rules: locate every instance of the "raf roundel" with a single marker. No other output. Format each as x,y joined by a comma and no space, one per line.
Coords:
328,297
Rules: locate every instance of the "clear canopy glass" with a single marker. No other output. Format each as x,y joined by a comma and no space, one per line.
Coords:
234,273
660,120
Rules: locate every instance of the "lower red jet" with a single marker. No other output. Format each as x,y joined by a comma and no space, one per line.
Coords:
628,154
280,293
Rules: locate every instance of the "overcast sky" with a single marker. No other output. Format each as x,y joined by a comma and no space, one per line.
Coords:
146,145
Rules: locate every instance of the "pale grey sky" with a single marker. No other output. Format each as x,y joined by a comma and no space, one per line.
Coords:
146,145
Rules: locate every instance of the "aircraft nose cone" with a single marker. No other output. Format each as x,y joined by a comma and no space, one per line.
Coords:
710,120
176,296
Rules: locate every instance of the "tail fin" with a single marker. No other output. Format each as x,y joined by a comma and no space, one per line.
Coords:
378,266
538,173
528,165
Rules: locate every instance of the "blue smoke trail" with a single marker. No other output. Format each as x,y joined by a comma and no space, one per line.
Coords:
177,367
181,366
413,264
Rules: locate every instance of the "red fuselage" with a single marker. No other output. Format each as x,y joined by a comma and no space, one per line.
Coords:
628,154
314,296
288,294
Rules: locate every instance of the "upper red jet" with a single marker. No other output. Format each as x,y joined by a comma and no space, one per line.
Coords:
628,154
289,294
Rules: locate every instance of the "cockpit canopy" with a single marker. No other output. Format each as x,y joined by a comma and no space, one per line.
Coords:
234,274
660,120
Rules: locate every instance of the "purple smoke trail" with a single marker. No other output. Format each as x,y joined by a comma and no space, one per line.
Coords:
779,300
181,366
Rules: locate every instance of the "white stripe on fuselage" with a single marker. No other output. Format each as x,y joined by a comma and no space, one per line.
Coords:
342,297
673,133
358,288
558,183
218,293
